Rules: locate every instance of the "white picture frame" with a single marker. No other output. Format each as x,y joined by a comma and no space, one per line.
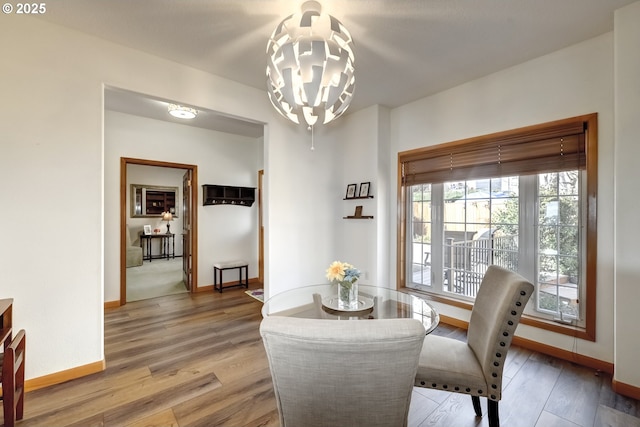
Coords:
147,230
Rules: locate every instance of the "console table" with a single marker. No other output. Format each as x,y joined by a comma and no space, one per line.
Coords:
167,246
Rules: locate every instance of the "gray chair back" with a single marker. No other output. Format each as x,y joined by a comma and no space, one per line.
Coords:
494,318
347,373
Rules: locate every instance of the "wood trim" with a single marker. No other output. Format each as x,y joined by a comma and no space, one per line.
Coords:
123,230
626,389
559,328
209,288
569,356
124,161
111,304
592,224
194,228
570,125
547,325
447,320
401,230
63,376
260,227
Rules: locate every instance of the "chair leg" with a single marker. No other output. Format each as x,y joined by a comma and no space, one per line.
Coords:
494,416
476,405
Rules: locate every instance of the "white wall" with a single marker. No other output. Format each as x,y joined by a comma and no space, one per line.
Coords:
302,239
363,145
55,181
225,232
627,176
570,82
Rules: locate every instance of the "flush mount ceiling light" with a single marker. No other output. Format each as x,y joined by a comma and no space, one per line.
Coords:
310,70
182,112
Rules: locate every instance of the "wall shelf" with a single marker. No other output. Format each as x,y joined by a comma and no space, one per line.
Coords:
227,195
358,213
358,197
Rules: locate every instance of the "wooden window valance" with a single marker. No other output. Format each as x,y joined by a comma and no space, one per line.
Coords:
554,146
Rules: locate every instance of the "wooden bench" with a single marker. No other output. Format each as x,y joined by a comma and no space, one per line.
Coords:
219,267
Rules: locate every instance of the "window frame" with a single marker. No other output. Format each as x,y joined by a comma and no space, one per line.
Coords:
589,126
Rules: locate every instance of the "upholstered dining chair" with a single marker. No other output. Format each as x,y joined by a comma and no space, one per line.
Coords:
475,367
349,373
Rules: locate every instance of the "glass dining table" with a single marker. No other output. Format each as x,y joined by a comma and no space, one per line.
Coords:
320,302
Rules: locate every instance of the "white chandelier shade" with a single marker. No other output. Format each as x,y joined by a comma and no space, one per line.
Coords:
310,70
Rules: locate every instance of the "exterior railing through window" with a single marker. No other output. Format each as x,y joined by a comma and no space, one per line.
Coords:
465,261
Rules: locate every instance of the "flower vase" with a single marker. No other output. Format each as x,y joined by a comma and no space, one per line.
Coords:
348,295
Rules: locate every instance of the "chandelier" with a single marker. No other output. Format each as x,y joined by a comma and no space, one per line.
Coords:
310,70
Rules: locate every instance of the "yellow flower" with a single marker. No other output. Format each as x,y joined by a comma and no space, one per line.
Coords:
336,271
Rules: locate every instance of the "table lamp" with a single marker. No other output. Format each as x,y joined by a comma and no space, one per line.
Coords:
167,216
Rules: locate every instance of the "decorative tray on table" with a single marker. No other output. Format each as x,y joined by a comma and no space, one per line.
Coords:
330,304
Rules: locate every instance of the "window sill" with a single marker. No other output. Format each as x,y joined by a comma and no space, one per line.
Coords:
536,322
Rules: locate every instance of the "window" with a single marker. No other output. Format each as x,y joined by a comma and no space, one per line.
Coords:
524,200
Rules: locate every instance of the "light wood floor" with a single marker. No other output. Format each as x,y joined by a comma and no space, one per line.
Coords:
184,360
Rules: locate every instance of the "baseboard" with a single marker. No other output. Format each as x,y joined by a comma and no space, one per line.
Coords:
63,376
569,356
206,288
626,389
580,359
452,321
209,288
111,304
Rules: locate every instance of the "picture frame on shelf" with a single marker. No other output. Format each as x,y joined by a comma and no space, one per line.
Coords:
364,189
351,191
147,230
358,212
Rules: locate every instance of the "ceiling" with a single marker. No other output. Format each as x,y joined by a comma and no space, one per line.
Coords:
404,49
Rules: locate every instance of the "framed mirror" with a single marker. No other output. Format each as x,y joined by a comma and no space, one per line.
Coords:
150,201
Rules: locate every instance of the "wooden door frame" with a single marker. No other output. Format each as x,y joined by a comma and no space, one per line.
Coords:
124,161
260,230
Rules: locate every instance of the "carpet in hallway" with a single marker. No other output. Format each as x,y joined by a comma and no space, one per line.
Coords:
153,279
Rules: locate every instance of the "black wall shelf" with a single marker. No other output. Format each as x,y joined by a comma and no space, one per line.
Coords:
354,198
227,195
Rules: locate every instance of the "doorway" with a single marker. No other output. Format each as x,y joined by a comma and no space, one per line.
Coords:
189,232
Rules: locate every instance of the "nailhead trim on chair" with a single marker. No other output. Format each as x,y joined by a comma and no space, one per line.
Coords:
507,334
507,331
446,387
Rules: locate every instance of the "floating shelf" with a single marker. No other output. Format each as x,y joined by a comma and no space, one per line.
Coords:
227,195
354,198
358,217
